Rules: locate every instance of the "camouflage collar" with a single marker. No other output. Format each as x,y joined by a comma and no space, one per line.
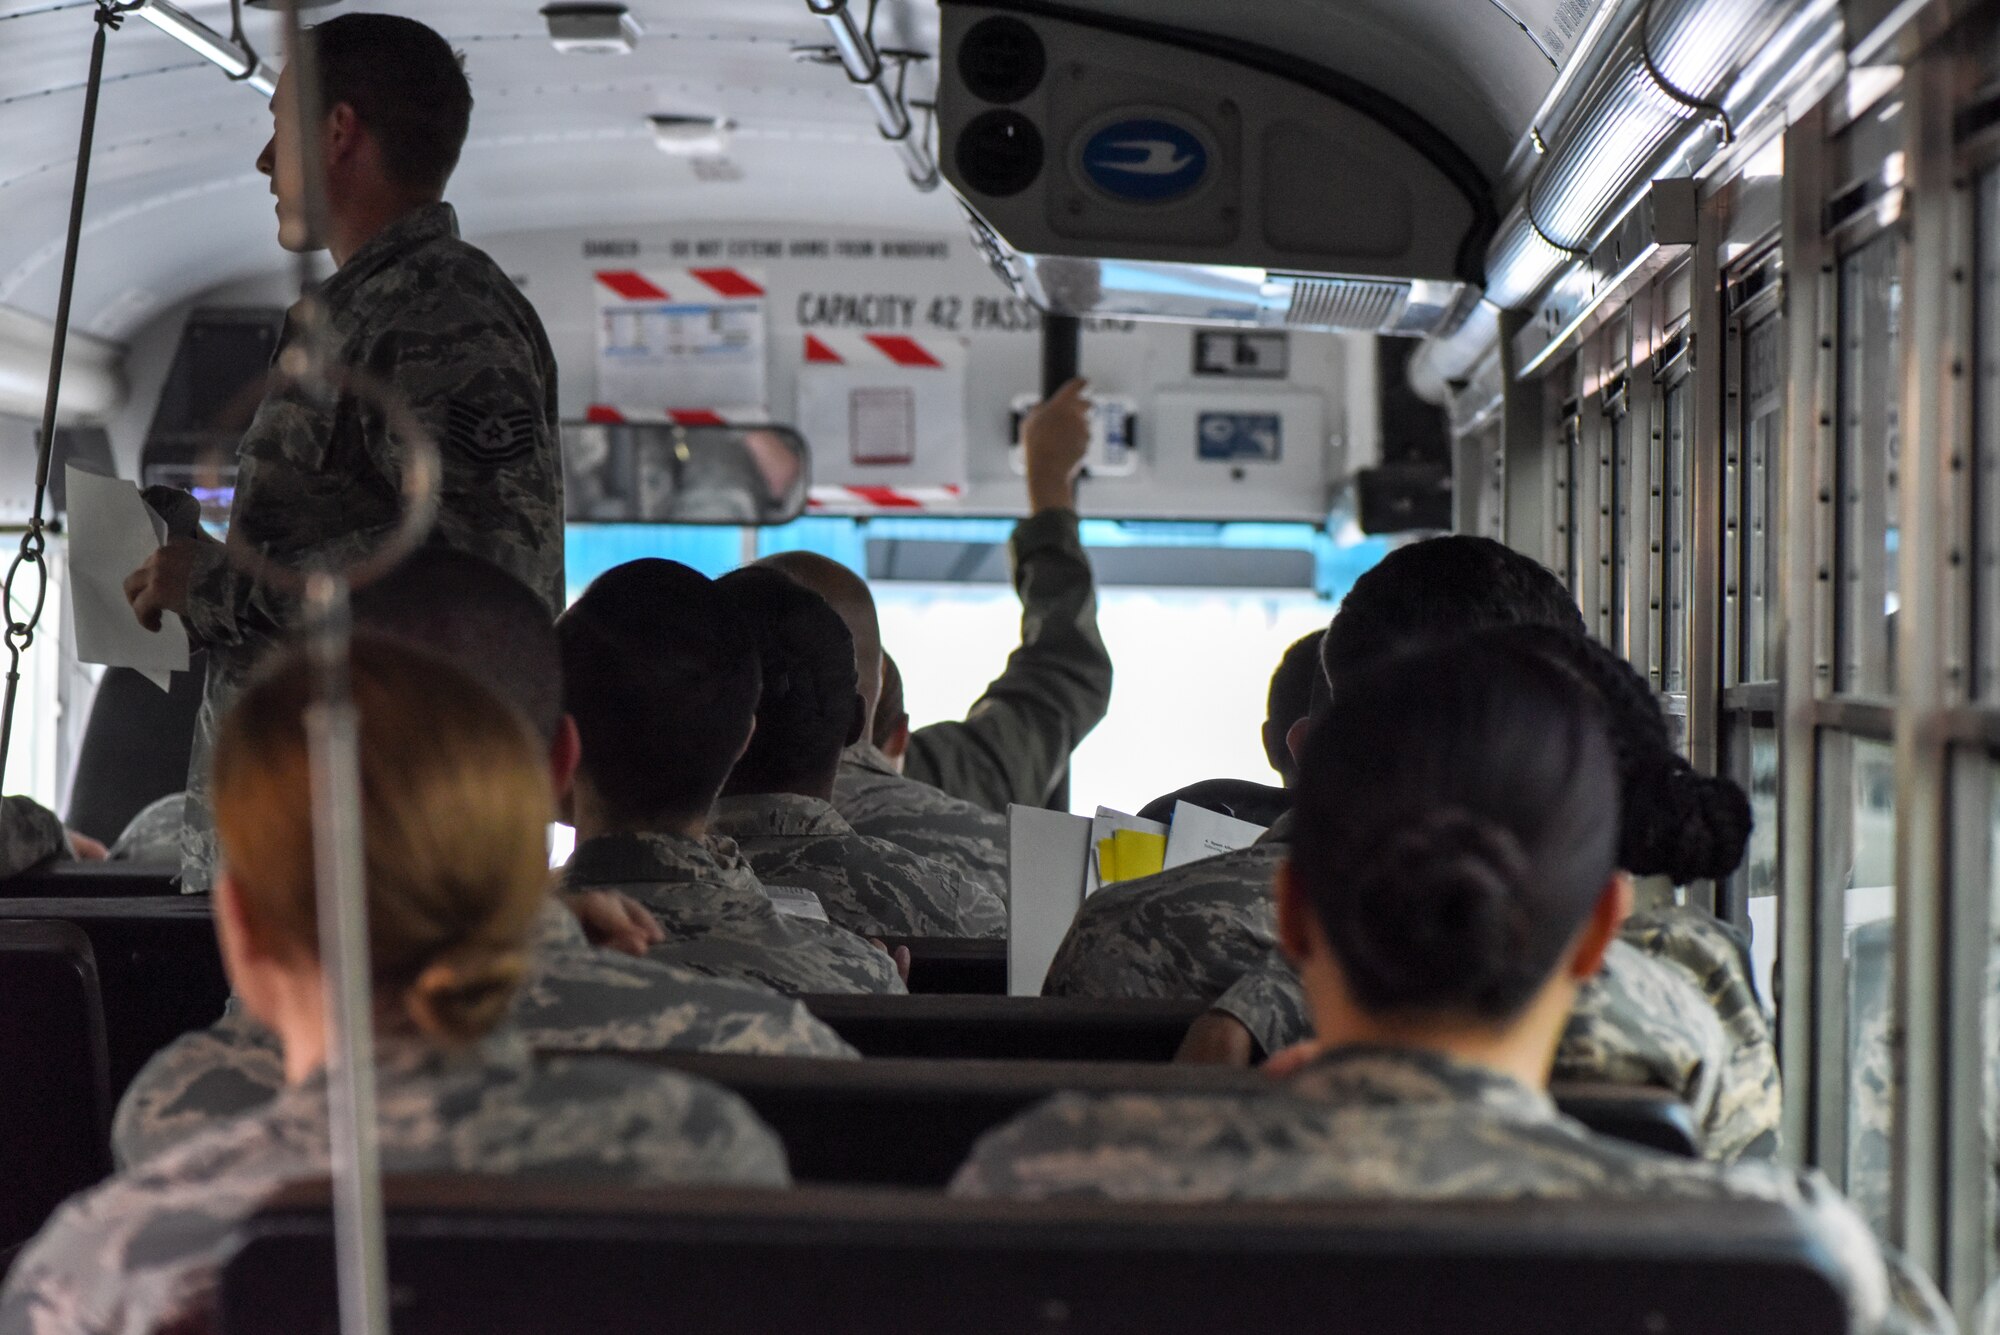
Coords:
624,860
778,816
402,1057
419,227
1365,1075
868,756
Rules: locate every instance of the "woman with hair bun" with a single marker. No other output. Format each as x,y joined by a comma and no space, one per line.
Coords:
455,805
1674,1006
1452,882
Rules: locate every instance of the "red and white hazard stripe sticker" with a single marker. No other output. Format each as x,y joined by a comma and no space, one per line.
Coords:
830,498
904,350
605,415
690,285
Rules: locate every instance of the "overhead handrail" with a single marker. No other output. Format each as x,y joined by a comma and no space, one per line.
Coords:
854,45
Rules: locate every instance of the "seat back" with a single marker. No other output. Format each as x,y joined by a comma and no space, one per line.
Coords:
158,967
55,1094
135,748
911,1123
950,964
513,1257
1010,1028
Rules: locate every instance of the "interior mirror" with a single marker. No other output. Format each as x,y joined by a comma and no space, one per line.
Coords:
664,473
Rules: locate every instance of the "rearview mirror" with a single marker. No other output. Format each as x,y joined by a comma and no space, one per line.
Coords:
664,473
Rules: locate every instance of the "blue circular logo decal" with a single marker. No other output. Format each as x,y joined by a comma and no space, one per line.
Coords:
1146,160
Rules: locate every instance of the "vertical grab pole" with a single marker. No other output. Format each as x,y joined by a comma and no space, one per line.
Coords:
1061,351
332,736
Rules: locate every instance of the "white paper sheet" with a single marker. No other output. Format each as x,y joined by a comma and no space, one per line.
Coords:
1199,833
1046,853
111,533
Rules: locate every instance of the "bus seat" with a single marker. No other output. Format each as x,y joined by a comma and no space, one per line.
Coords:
507,1257
55,1097
949,964
93,880
1012,1028
911,1122
135,748
158,963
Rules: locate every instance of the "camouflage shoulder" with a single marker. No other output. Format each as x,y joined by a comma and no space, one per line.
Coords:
1270,1002
194,1083
30,834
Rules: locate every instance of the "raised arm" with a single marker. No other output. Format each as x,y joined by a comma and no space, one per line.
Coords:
1015,742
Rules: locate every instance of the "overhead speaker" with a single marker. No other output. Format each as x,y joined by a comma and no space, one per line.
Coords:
999,153
1001,60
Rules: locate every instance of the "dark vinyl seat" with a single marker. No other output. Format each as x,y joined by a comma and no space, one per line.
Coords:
158,965
955,965
911,1123
1009,1028
135,748
509,1258
55,1093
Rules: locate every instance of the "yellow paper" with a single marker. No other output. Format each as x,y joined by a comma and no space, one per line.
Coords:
1107,860
1138,853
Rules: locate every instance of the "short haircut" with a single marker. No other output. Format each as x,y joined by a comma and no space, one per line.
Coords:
478,617
662,683
1456,821
1439,590
455,807
808,708
848,594
1290,696
406,87
891,713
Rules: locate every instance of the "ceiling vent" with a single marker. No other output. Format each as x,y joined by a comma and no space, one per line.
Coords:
692,136
1346,303
592,29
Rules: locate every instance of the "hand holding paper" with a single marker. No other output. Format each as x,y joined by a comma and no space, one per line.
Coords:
111,534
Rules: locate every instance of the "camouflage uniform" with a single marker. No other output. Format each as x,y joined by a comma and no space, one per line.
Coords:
154,835
142,1252
1377,1123
1015,742
1673,1007
1189,932
719,920
579,998
318,479
30,834
870,886
877,801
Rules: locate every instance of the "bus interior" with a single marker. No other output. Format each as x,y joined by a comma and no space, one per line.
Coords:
1694,302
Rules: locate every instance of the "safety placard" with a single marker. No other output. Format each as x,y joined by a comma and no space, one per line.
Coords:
884,414
680,338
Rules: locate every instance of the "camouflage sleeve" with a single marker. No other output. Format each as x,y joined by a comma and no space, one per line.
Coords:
1014,744
1750,1102
1025,1158
30,834
1270,1002
1888,1294
469,374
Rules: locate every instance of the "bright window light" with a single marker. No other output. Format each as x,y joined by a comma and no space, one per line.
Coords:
1192,667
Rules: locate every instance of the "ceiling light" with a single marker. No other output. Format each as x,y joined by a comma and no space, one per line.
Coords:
692,136
211,45
592,29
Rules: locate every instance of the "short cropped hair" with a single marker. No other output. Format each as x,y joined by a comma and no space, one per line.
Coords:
663,685
1439,590
406,87
479,618
809,705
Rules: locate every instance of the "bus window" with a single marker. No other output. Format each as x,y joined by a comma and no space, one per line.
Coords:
1753,750
1760,438
1194,666
1858,830
1870,336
